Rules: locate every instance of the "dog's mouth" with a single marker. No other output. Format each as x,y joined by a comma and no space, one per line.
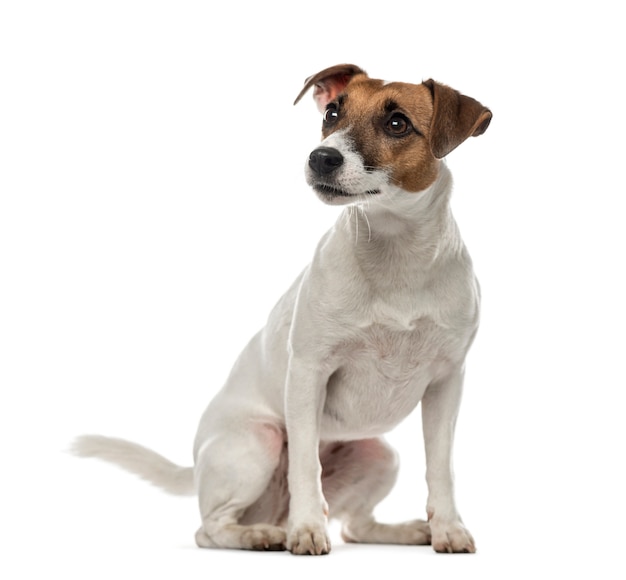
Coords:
331,192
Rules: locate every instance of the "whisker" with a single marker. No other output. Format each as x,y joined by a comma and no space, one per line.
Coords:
348,216
367,221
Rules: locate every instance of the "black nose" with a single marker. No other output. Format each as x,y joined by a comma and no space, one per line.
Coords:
325,160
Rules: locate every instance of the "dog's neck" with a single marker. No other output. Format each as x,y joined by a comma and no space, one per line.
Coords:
416,228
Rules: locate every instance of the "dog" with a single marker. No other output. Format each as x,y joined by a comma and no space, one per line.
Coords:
381,320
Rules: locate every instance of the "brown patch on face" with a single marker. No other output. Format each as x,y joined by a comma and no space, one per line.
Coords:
368,109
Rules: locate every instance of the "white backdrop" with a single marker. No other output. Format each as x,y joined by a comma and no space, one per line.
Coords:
153,208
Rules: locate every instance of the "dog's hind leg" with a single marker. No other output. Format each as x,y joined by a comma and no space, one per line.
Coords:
242,489
356,476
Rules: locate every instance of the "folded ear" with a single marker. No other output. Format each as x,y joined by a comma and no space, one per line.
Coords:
455,118
329,83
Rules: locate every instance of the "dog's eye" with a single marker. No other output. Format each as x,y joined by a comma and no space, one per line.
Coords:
331,114
398,125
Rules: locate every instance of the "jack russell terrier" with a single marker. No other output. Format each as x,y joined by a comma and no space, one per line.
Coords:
381,320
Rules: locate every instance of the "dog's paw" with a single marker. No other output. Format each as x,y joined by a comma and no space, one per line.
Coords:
451,538
308,539
414,533
264,537
253,537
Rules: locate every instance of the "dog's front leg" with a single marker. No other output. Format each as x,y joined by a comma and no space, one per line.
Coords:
308,510
440,407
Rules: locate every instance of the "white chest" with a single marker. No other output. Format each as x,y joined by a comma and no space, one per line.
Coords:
382,375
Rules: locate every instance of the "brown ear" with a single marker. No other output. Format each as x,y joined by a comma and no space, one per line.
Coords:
329,83
455,118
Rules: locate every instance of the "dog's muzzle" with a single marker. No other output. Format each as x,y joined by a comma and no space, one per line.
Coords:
325,160
337,179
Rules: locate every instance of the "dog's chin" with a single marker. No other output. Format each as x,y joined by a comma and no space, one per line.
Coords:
337,196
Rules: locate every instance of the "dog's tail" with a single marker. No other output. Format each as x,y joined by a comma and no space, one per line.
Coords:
139,460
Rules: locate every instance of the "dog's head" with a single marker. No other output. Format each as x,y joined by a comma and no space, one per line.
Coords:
380,135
